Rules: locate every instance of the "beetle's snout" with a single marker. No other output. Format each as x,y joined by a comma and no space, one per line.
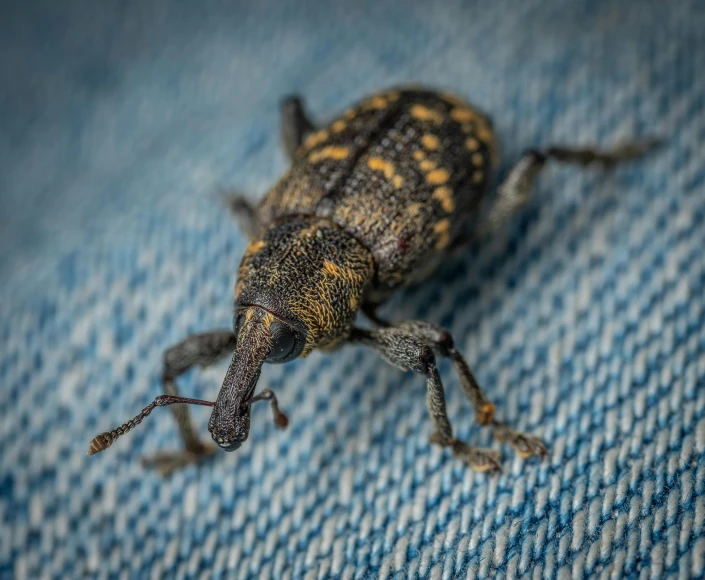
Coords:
228,443
229,424
233,446
230,433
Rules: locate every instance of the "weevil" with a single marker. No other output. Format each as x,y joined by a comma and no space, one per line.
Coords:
373,202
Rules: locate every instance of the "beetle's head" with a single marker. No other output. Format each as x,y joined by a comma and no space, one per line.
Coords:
261,337
298,288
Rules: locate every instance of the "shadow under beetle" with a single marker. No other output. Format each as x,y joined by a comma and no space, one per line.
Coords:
371,203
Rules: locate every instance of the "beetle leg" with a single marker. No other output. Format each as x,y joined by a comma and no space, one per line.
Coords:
244,212
295,124
370,311
516,189
442,343
406,352
197,350
280,418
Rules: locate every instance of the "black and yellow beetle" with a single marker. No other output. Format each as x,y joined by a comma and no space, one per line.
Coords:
372,202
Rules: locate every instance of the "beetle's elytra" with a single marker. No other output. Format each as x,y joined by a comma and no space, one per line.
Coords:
372,202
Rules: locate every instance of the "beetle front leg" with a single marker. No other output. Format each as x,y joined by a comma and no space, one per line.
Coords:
370,311
197,350
295,124
408,353
442,344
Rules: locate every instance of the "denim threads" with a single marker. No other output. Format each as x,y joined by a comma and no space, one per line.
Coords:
584,319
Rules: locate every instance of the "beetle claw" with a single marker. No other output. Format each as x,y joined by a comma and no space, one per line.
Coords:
477,458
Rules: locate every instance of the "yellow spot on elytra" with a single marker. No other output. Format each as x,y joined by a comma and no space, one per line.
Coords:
376,103
438,176
316,139
427,165
419,155
445,196
392,96
238,288
442,231
331,152
349,114
430,142
386,167
472,144
477,176
377,164
484,134
248,314
477,158
254,247
425,114
338,126
463,115
453,99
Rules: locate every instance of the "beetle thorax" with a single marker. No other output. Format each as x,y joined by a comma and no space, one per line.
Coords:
310,273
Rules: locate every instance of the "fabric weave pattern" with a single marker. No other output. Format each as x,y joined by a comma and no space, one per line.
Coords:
584,320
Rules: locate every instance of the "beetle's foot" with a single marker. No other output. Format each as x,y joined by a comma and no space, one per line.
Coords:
484,414
525,445
166,463
477,458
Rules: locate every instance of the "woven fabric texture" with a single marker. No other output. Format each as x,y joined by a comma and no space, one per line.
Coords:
584,318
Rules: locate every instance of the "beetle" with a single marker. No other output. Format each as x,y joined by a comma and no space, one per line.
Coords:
373,202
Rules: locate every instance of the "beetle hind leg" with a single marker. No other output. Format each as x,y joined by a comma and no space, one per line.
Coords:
516,189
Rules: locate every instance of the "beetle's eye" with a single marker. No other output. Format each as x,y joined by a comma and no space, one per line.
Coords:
237,321
286,344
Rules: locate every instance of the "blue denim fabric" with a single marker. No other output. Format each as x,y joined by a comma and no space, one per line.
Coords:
584,319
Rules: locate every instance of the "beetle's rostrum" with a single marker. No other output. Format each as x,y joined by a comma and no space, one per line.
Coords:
373,201
230,421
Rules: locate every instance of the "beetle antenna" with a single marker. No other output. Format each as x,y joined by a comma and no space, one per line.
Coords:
104,440
280,418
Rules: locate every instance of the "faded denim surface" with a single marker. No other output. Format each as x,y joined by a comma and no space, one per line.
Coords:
584,319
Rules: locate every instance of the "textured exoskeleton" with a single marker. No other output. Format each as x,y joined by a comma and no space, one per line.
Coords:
372,202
